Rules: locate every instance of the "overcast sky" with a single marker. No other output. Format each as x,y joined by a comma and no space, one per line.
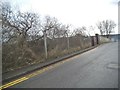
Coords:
76,12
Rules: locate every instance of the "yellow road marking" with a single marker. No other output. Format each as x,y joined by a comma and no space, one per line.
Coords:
34,74
13,83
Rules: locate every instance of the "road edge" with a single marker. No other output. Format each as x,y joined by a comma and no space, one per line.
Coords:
8,79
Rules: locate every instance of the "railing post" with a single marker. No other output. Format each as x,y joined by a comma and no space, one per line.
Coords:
92,40
97,38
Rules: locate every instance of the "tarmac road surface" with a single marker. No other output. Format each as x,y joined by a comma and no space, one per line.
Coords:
97,68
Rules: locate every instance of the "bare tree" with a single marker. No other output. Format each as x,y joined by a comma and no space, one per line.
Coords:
49,30
64,31
106,27
6,15
91,30
80,31
109,25
17,25
100,27
53,30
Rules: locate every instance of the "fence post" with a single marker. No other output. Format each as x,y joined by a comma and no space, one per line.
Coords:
68,42
45,44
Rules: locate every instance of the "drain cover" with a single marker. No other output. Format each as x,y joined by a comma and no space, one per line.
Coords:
113,66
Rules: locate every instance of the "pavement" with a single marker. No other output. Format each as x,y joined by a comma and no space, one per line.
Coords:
97,68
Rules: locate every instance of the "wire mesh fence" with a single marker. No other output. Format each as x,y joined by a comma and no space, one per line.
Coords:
14,56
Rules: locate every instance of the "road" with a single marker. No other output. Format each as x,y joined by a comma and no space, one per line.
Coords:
96,68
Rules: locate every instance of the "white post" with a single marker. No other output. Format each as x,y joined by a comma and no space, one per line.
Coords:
68,43
45,44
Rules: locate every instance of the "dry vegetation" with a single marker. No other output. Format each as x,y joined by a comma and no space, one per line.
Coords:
26,39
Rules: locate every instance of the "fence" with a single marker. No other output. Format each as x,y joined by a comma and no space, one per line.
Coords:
15,57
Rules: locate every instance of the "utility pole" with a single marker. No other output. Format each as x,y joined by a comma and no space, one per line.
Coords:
45,44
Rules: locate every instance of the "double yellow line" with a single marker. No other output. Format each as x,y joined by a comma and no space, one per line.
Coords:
33,74
13,83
